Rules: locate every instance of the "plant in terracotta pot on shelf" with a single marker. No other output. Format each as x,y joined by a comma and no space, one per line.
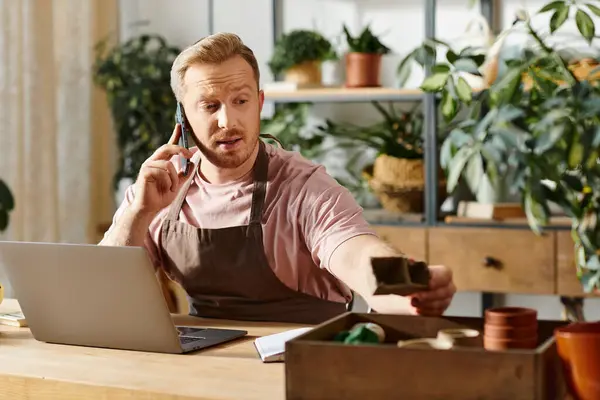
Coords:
7,204
363,59
397,174
540,121
298,56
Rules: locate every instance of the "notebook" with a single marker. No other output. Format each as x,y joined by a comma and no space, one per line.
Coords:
271,348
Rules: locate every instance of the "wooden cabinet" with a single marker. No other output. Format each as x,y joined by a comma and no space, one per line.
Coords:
566,270
409,240
501,260
495,260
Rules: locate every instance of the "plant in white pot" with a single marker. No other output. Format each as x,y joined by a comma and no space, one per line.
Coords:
298,55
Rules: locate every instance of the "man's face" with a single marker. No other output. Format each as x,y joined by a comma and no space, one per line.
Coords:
223,105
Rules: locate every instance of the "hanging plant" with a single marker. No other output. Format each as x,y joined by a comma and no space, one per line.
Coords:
136,78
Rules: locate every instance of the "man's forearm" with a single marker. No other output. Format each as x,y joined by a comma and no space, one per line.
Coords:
130,229
351,263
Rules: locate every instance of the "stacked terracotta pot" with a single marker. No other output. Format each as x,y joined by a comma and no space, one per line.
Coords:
510,328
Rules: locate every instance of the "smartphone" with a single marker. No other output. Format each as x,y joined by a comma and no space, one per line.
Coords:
181,119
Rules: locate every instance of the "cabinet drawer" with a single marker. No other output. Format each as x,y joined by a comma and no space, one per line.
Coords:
409,240
495,260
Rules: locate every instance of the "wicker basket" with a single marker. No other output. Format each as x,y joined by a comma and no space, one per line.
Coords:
398,184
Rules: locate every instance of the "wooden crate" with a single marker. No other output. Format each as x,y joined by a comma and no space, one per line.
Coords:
318,368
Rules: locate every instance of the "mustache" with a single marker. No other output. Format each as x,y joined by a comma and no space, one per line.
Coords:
228,134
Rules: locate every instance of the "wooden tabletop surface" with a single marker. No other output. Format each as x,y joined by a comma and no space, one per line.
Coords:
30,369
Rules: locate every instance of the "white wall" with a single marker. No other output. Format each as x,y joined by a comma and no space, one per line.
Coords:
400,22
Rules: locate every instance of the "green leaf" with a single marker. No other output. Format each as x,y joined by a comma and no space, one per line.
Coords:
593,8
3,220
536,215
548,139
575,155
585,24
596,141
467,65
593,263
7,202
435,82
449,106
456,167
474,171
573,182
555,5
590,281
451,56
559,18
459,138
465,93
440,69
446,153
405,69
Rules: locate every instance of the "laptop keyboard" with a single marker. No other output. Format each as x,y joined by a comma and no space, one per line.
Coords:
188,334
188,339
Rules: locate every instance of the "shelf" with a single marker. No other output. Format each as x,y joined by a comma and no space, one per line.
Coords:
343,95
379,216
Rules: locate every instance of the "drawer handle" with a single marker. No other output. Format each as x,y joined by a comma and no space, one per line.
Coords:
492,262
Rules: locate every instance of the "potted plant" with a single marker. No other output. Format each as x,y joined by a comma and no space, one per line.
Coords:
542,121
363,59
7,204
136,78
397,174
299,54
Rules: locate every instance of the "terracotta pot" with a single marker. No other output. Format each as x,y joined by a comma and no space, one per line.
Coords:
578,346
306,74
495,344
363,69
509,332
511,316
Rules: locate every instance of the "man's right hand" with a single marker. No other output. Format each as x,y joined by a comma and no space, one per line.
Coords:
158,182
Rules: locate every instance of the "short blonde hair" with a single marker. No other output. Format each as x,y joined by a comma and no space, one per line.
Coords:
213,49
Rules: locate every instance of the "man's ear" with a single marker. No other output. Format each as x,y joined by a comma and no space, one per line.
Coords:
261,100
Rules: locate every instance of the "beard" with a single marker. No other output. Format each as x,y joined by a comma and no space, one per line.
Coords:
217,152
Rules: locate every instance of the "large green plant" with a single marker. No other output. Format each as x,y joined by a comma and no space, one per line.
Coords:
539,121
397,134
136,78
7,204
297,47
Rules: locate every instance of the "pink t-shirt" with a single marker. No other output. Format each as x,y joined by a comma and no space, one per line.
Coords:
306,216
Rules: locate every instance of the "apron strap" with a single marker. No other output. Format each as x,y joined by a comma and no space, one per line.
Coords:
269,136
261,172
178,203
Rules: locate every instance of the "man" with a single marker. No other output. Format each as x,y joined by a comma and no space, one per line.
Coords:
253,232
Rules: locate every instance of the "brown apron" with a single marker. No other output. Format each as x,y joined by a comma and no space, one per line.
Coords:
225,271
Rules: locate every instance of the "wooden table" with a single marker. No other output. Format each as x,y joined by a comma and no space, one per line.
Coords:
34,370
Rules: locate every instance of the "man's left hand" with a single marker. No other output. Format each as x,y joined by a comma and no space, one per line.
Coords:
437,299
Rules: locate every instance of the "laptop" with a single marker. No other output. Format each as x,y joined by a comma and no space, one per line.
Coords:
98,296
